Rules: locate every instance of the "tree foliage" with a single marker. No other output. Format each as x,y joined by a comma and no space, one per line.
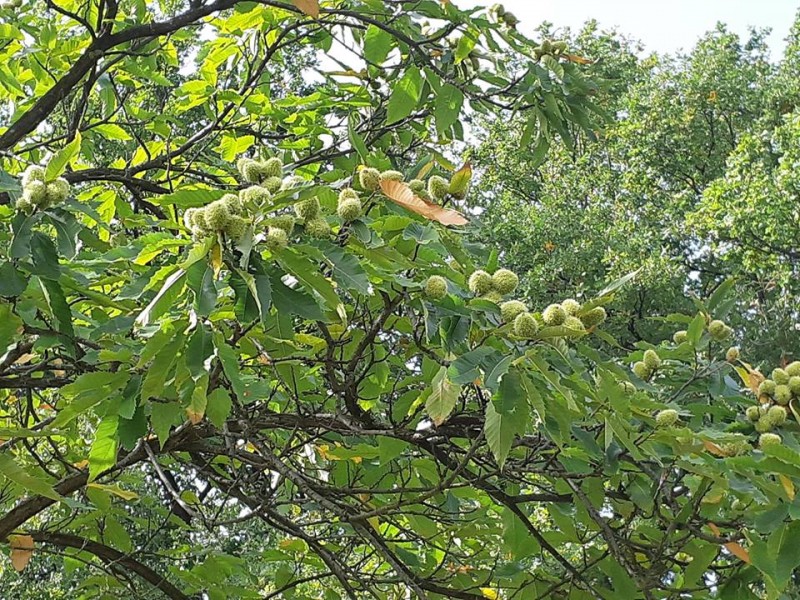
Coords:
658,190
248,351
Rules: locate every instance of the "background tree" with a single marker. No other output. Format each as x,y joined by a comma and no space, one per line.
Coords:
247,352
628,200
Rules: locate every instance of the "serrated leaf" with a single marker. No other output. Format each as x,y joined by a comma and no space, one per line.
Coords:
87,391
12,471
309,275
111,131
114,489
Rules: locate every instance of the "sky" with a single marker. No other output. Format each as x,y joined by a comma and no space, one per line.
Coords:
661,26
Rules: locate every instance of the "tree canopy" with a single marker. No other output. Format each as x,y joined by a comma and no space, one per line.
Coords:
264,334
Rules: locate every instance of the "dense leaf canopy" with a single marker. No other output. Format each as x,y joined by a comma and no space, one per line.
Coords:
251,348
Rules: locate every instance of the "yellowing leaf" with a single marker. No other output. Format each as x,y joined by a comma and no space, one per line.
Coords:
738,551
443,397
423,172
21,551
713,448
459,182
788,486
399,193
490,593
714,496
114,489
750,377
578,59
733,547
216,258
309,7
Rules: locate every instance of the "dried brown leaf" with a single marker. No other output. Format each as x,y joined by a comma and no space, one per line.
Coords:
399,193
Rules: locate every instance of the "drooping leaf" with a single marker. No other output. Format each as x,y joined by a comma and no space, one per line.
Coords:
309,7
22,547
442,398
103,453
401,194
63,158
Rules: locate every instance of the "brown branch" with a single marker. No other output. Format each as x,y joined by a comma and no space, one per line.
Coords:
111,556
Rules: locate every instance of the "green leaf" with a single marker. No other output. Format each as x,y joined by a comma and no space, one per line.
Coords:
507,415
63,158
188,197
232,146
67,230
111,131
12,471
10,326
309,275
163,415
447,107
499,433
198,400
720,293
156,377
44,256
442,398
199,350
347,270
230,366
459,182
200,279
133,429
164,299
219,407
466,43
355,138
87,391
405,96
377,44
103,453
12,280
615,285
259,289
59,308
23,230
696,328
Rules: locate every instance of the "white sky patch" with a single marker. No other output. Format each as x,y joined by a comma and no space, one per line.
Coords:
661,26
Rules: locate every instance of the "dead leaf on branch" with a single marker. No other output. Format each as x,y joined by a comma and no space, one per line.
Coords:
399,193
734,548
578,59
309,7
21,551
